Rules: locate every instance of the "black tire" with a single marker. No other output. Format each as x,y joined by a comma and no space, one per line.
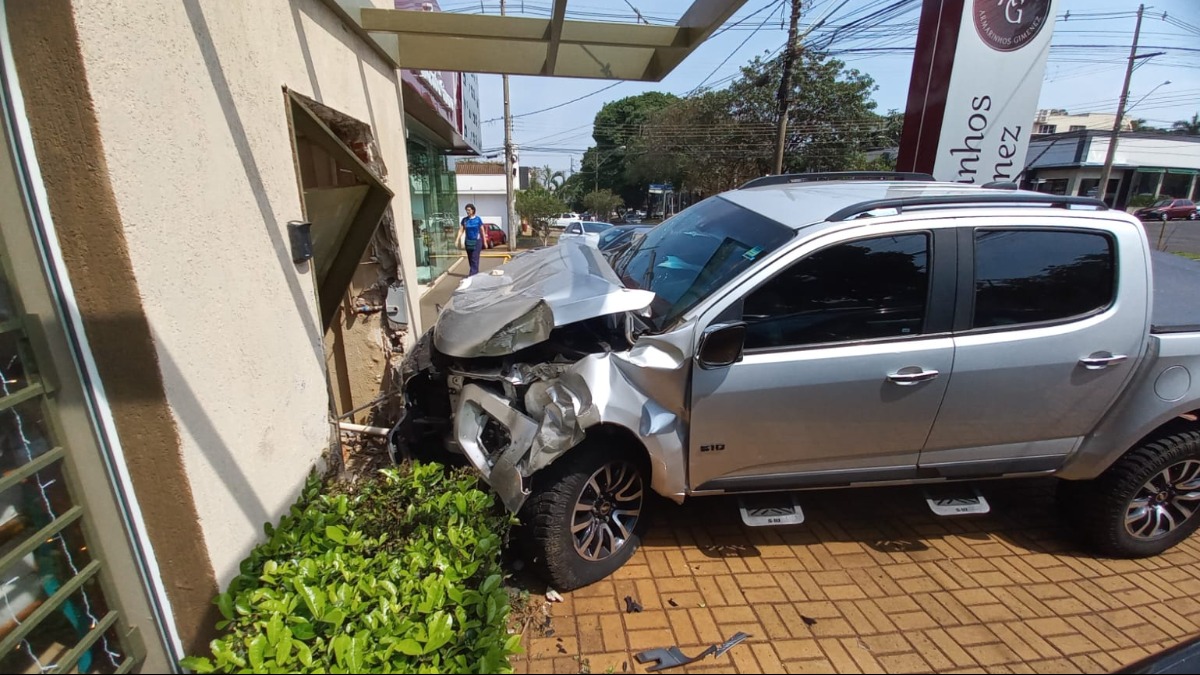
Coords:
1163,475
549,514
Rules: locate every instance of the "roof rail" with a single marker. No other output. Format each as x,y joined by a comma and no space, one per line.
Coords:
786,178
988,198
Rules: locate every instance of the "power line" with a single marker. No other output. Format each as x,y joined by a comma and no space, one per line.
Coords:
635,11
739,47
564,103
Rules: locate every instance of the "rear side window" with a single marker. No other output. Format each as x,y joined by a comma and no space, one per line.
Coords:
1034,276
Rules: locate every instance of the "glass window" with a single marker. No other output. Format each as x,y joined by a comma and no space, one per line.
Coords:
859,290
1029,276
435,214
595,228
696,252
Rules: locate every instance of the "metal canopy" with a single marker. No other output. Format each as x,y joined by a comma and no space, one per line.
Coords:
516,45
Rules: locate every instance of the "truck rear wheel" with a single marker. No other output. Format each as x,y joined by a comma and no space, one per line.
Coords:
1143,504
586,515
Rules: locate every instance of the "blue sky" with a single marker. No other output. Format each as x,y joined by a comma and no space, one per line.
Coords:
1083,78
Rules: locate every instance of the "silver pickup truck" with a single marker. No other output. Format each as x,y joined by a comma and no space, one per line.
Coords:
819,331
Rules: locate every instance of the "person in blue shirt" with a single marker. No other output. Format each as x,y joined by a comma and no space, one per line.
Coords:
473,233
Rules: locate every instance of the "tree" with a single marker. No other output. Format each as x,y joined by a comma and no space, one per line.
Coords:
717,140
549,179
540,207
606,164
700,143
601,203
1188,127
831,117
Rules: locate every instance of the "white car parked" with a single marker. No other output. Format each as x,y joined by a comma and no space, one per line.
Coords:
564,220
582,230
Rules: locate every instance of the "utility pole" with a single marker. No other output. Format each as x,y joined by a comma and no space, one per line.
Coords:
1116,130
785,86
508,164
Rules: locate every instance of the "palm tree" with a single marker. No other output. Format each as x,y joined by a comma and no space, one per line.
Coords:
550,179
1187,127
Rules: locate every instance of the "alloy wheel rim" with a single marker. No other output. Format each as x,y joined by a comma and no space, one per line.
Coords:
1164,502
607,510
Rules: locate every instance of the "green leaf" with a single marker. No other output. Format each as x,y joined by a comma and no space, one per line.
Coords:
283,651
274,629
441,626
409,647
513,644
303,631
490,584
313,599
336,533
256,650
197,664
304,654
225,604
341,648
358,652
335,616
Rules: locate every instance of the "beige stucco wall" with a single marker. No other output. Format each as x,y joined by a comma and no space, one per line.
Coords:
189,98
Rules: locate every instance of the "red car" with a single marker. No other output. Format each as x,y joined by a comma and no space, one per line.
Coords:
496,235
1168,209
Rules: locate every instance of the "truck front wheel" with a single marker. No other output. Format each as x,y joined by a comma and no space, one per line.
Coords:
586,514
1143,504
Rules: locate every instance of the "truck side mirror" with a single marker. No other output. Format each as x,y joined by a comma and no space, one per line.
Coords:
721,345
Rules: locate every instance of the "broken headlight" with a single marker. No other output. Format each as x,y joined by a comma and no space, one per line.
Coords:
531,328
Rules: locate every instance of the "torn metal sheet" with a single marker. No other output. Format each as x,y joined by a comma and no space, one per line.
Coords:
671,657
498,314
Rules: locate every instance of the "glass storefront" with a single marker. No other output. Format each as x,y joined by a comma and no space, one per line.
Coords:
434,210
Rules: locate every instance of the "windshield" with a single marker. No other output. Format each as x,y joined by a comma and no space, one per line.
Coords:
1163,202
696,252
594,228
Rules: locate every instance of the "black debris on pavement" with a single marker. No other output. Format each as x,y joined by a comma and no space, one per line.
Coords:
808,621
632,605
671,602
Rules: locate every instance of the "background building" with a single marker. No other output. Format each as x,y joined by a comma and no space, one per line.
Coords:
483,184
1146,164
1057,121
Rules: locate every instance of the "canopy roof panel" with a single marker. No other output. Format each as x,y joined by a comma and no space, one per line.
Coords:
555,46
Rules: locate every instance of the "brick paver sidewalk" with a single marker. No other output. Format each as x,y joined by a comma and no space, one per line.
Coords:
872,582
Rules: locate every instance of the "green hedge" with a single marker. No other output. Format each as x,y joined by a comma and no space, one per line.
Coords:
398,574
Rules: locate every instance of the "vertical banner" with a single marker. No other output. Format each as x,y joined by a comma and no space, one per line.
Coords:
977,74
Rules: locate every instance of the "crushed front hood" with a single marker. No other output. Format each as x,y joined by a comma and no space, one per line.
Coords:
518,304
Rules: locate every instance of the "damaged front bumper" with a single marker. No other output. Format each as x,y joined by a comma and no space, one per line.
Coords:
477,408
512,419
507,445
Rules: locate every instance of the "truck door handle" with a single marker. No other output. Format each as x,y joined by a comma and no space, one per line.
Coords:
1101,360
910,375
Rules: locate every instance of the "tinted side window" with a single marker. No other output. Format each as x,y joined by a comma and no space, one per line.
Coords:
870,288
1029,276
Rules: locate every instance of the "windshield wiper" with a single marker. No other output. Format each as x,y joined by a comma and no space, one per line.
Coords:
648,277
